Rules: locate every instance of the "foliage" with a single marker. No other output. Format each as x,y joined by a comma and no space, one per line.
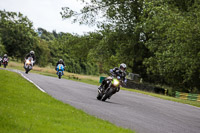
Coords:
122,41
157,39
174,41
17,34
2,48
19,37
42,52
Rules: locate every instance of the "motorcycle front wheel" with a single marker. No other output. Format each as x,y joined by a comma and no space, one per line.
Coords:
27,70
99,96
59,75
108,94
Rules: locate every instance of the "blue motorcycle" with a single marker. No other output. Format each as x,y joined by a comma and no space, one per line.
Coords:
60,69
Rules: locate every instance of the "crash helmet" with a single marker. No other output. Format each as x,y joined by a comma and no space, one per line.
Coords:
32,52
60,61
122,67
5,55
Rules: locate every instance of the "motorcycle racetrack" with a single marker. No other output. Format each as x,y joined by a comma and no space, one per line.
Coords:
142,113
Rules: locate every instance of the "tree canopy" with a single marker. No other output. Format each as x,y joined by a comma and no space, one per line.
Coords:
157,39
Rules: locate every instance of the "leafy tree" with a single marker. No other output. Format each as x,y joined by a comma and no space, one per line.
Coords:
122,30
17,33
44,34
42,52
2,48
174,42
158,38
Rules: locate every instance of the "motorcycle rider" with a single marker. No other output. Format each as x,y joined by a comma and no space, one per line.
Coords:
5,56
121,71
60,62
32,55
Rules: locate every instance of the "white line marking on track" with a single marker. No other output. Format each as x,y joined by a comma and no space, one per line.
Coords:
30,81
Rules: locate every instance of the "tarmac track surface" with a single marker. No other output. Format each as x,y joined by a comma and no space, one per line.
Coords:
142,113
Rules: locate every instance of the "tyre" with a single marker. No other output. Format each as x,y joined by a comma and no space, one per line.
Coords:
99,96
27,71
59,75
4,65
107,95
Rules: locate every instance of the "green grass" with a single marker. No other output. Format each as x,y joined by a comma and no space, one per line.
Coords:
94,81
23,108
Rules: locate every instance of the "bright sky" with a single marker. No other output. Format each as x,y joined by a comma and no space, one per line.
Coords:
46,14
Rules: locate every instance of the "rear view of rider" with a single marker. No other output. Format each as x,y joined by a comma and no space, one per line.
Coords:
121,71
32,55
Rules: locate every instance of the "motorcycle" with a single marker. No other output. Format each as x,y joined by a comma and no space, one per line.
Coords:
112,88
5,62
28,65
60,69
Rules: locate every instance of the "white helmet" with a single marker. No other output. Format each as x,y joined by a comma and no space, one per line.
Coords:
123,66
32,52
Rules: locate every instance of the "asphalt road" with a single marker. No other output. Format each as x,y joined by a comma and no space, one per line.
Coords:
142,113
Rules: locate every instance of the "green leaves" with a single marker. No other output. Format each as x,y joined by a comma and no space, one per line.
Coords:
67,13
2,48
175,45
17,33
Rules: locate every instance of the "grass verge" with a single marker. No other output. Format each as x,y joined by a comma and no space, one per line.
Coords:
193,103
49,71
23,108
94,80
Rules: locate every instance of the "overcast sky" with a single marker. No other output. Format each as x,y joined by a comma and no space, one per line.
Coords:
46,14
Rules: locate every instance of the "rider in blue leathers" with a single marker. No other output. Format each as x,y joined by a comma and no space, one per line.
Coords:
60,62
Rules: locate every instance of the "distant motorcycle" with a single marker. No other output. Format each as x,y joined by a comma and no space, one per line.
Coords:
110,90
60,69
5,62
0,61
28,65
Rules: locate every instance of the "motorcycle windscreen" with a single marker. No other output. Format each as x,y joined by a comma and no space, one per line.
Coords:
60,67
